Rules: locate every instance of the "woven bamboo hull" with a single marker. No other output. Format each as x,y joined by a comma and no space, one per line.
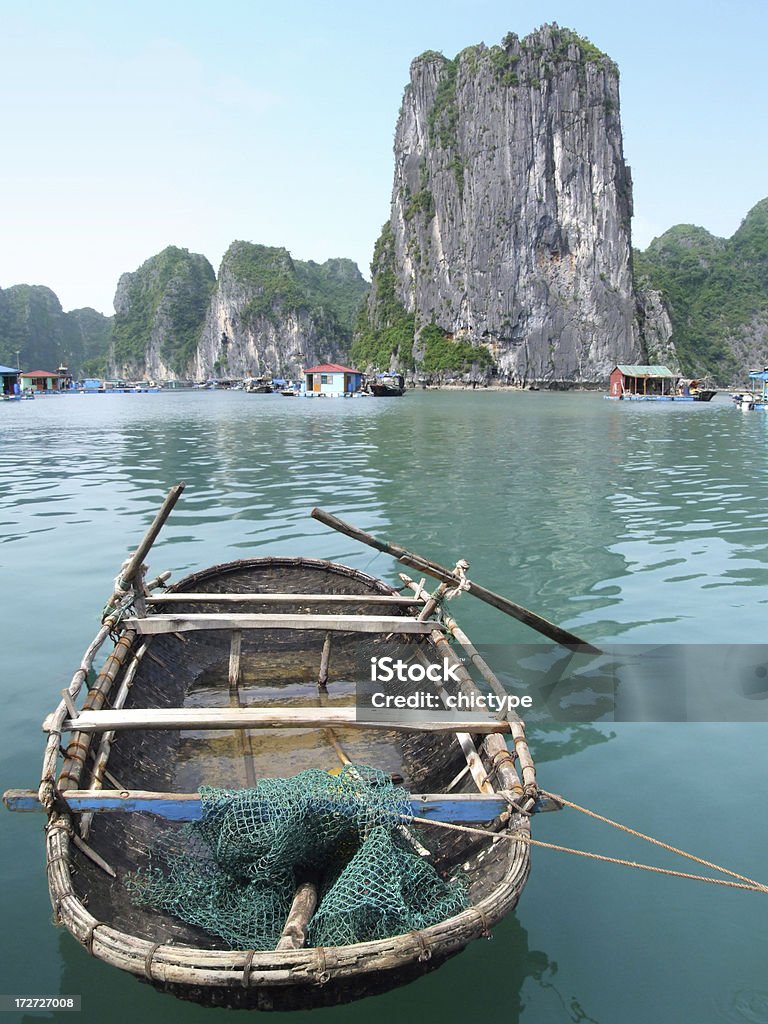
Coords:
278,666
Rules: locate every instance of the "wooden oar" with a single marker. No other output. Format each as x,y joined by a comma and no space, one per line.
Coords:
445,575
133,564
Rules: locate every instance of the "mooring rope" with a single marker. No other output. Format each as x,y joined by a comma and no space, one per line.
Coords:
656,842
747,883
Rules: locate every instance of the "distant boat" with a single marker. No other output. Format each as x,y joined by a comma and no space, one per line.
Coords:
757,398
258,386
387,385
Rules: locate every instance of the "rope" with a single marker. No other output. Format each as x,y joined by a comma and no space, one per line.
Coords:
463,584
524,838
656,842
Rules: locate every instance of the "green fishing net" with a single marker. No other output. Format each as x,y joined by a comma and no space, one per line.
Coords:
236,871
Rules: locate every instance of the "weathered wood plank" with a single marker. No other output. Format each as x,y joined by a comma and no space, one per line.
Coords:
243,620
294,933
254,718
454,807
201,598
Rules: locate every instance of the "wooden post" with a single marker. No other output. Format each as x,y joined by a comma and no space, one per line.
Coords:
234,659
325,657
235,701
294,933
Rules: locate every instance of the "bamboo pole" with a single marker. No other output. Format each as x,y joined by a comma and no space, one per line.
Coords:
99,770
440,572
79,744
133,564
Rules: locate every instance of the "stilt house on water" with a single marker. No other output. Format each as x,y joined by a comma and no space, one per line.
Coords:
641,380
42,381
10,380
331,380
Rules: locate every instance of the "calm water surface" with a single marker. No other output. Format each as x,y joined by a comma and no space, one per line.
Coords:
623,523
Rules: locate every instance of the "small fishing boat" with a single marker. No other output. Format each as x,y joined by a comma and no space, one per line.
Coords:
757,397
221,697
258,386
387,385
693,390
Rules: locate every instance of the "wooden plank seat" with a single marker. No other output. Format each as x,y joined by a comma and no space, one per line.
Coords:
335,623
403,600
254,718
454,807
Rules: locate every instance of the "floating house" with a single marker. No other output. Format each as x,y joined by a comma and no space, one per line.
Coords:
44,381
641,381
331,381
10,380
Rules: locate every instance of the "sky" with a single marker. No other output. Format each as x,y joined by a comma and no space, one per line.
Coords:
127,127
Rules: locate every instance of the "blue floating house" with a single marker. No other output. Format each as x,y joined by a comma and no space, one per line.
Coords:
330,380
10,378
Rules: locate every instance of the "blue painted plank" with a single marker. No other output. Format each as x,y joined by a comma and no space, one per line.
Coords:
186,806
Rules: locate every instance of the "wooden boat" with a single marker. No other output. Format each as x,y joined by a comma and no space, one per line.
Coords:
387,385
258,386
270,646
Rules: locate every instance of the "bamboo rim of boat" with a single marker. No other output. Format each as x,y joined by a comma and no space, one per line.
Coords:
170,963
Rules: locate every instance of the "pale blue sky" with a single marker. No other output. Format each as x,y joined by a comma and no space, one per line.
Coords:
130,126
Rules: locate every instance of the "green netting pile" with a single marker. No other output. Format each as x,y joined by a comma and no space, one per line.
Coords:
237,869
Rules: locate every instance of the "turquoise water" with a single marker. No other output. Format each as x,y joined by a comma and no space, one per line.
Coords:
621,522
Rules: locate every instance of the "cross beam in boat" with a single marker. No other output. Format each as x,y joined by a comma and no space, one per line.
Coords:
254,718
453,807
338,623
182,598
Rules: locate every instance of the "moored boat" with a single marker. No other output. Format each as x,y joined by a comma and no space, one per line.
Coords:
757,396
387,385
167,736
258,386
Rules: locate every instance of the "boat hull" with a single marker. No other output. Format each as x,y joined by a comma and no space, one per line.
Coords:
175,670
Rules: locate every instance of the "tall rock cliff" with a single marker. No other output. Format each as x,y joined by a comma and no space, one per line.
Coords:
510,217
271,314
160,310
716,290
36,333
265,313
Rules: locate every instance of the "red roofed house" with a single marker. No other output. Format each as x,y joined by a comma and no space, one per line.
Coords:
332,381
41,380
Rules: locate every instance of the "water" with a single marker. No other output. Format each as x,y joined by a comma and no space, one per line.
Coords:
623,523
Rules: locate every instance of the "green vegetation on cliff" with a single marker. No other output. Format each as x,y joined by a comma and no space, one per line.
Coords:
36,333
716,290
270,277
385,329
443,355
166,298
337,285
275,284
